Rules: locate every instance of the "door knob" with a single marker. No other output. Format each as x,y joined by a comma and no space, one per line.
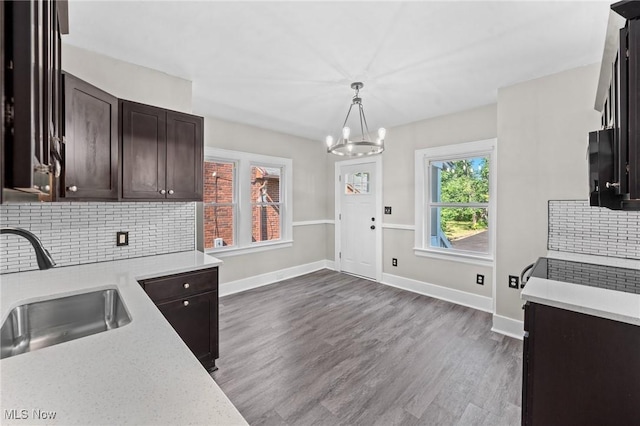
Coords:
171,192
373,227
373,219
162,191
72,188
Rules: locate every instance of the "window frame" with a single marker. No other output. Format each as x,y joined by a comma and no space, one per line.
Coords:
424,203
242,232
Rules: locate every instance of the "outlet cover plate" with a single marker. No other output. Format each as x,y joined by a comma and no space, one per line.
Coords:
122,239
514,281
387,209
480,279
394,262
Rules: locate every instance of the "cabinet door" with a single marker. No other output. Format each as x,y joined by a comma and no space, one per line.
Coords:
582,369
184,156
195,319
91,142
144,151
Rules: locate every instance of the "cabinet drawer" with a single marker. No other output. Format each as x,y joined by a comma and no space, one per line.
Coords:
182,285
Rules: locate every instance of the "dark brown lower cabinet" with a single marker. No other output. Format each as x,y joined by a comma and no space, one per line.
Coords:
189,302
579,369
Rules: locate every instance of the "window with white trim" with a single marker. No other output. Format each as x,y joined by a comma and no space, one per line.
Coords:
246,201
454,203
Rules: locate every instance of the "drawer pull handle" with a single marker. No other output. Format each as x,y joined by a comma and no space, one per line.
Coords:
185,303
186,285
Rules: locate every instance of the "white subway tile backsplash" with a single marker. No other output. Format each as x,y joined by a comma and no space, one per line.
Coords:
576,227
77,233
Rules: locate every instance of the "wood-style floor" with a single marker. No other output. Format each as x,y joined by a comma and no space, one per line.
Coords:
332,349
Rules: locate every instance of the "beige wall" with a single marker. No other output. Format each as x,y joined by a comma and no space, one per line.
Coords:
128,81
309,195
542,145
398,187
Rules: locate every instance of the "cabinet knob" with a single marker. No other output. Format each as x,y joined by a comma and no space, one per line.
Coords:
72,188
162,191
186,285
171,192
185,303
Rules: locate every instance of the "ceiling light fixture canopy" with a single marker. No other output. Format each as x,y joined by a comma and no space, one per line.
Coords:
344,146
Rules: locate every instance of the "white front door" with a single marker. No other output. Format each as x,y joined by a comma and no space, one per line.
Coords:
359,222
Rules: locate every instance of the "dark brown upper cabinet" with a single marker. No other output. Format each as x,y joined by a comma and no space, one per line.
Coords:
32,94
162,154
90,142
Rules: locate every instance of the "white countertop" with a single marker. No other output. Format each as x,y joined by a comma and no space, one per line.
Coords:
141,373
600,302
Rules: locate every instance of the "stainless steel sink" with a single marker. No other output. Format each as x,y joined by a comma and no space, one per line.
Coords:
37,325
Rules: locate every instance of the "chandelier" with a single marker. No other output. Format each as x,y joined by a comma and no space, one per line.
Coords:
360,146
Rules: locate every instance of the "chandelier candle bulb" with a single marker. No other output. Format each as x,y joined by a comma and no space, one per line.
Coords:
382,132
346,132
329,141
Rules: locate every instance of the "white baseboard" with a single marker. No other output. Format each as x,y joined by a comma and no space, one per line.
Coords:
330,264
272,277
508,326
482,303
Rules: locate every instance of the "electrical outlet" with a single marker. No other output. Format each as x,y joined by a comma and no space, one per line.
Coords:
480,279
122,239
514,281
387,209
394,262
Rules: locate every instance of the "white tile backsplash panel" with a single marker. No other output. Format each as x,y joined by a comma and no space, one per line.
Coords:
576,227
77,233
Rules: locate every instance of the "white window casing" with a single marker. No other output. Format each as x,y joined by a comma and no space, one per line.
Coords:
244,161
423,190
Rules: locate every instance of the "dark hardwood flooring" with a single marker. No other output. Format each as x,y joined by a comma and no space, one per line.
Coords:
332,349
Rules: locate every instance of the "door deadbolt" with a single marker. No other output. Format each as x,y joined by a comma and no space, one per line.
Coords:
373,227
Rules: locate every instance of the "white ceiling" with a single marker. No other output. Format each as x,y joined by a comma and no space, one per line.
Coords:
287,66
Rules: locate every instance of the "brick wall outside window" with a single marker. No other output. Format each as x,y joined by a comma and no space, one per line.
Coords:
218,219
219,207
265,220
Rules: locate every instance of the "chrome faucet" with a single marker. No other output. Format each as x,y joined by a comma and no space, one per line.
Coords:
45,261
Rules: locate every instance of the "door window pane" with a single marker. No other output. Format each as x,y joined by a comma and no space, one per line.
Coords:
357,183
460,181
460,228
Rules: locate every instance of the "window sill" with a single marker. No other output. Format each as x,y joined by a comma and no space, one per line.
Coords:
255,248
454,257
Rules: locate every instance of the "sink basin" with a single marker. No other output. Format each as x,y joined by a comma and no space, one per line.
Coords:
37,325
